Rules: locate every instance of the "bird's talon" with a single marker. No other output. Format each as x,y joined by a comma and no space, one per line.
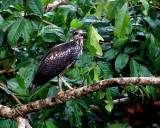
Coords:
61,92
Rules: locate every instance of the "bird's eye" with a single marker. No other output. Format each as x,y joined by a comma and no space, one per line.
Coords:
75,33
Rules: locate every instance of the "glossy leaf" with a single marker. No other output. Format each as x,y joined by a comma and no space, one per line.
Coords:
112,8
145,90
36,7
121,61
100,94
50,124
6,3
110,105
131,48
8,123
152,90
106,69
111,54
1,20
99,10
15,31
146,6
134,66
120,41
122,22
75,24
53,91
143,71
96,75
93,40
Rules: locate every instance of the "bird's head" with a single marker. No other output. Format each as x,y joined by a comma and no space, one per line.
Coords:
78,34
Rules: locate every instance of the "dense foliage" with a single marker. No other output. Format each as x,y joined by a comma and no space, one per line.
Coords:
123,41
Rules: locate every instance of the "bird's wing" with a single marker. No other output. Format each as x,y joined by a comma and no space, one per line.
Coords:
55,61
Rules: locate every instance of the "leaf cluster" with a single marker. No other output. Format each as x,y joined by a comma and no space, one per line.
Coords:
122,41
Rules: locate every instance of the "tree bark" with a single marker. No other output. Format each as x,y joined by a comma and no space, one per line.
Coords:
76,93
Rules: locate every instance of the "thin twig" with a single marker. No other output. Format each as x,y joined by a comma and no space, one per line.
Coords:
26,9
85,76
46,22
14,97
7,71
101,42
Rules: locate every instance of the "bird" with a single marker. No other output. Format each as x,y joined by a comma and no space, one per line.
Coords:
57,60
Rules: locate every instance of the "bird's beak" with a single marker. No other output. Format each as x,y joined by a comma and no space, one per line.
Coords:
84,34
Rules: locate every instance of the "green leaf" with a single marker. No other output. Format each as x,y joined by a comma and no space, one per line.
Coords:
77,112
146,6
100,95
114,92
145,90
99,10
20,81
106,69
120,41
156,63
75,24
152,90
27,30
8,123
6,4
1,37
19,2
96,75
92,43
1,20
122,22
39,124
133,65
112,7
15,31
111,54
36,6
118,125
131,48
50,124
26,72
110,104
69,112
144,72
52,91
121,61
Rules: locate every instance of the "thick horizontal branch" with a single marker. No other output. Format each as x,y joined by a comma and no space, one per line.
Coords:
77,93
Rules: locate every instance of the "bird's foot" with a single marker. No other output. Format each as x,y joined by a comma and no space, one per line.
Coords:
71,89
61,92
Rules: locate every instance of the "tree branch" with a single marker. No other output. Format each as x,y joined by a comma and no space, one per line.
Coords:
54,5
77,93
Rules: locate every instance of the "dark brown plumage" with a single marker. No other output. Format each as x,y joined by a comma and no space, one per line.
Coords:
58,59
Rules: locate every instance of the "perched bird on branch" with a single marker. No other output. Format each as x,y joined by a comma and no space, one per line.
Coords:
57,60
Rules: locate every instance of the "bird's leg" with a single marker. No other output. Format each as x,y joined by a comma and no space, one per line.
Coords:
65,82
60,87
